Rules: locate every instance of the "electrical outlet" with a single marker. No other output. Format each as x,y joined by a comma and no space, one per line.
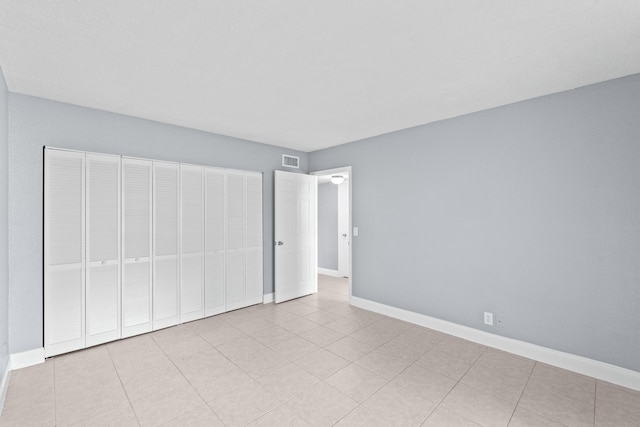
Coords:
488,318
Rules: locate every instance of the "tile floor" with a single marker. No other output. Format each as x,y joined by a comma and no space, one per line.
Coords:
314,361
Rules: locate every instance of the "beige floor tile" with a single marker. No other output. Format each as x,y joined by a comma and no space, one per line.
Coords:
558,408
443,418
302,310
563,383
322,317
294,348
76,404
499,374
349,348
37,415
322,363
356,382
150,382
183,347
278,317
122,416
346,325
244,405
383,363
166,405
240,348
286,381
616,406
252,325
425,384
478,406
462,349
173,333
279,417
322,336
363,417
218,382
201,416
30,388
371,335
220,335
525,418
272,335
299,325
399,405
444,363
198,363
321,405
233,317
260,362
424,335
131,364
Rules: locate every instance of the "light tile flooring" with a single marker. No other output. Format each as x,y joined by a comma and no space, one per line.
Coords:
313,361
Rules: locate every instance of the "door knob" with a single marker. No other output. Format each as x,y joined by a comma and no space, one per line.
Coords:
344,234
279,243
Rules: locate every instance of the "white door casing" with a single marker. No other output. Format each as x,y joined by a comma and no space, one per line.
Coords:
295,235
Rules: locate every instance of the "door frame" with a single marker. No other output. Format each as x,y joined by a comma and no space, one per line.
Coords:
349,170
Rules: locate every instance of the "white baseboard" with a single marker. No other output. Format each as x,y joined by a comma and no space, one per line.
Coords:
327,272
4,384
267,298
27,358
582,365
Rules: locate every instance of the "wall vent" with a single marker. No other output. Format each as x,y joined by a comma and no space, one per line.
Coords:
290,161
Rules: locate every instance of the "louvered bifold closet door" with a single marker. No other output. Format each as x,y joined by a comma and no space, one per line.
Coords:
235,240
64,273
191,242
166,309
215,224
253,287
136,226
103,248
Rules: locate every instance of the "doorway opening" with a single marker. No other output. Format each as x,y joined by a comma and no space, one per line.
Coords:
334,242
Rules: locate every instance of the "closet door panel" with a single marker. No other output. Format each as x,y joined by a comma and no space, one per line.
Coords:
254,284
191,242
103,248
136,214
235,240
64,262
215,225
166,261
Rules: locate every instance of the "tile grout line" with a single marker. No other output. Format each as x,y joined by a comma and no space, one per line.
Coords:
122,384
522,392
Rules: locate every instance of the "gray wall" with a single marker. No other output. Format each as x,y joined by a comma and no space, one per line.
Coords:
4,202
530,211
36,122
328,226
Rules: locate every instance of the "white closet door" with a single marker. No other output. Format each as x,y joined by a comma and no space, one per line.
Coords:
235,240
191,242
136,276
253,287
64,275
165,242
103,248
215,224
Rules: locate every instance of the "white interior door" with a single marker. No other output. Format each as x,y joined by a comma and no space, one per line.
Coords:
166,311
253,206
191,242
103,248
295,235
215,235
344,234
64,252
136,227
235,268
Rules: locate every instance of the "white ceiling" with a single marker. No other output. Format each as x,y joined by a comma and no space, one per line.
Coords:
311,74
